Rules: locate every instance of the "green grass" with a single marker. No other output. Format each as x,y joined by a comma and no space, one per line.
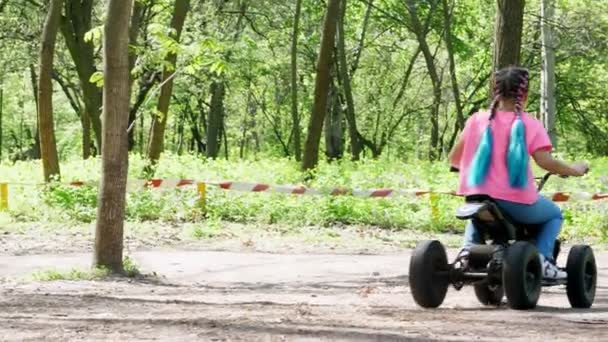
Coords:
73,275
73,205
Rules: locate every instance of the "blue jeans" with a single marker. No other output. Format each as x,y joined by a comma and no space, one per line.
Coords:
542,212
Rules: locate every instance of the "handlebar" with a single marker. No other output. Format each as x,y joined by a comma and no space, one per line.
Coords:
541,180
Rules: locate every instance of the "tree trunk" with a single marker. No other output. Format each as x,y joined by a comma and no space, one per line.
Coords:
507,39
141,135
146,83
295,117
334,138
547,76
70,92
46,129
136,18
86,136
215,119
311,148
34,79
368,12
447,20
159,121
355,143
115,161
74,26
420,33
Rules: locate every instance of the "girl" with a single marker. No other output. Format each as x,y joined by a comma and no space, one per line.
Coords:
492,155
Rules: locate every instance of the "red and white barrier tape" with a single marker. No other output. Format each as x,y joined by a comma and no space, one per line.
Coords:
300,190
137,184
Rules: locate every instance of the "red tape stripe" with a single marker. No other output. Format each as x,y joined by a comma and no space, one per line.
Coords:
260,187
381,193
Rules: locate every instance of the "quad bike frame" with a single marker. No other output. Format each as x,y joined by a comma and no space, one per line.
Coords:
506,264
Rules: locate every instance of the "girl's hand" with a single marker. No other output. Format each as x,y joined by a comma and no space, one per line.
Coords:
581,168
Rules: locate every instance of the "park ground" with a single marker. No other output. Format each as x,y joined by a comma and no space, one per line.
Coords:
258,284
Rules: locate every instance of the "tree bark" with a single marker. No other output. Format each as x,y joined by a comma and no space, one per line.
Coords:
136,18
508,31
215,119
334,138
547,76
46,129
146,83
159,121
295,116
355,143
74,26
311,148
368,12
116,94
420,33
70,91
447,20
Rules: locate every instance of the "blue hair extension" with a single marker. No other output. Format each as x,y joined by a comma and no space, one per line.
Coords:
517,156
481,160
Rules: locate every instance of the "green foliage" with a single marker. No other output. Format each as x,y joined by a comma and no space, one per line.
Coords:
74,203
131,268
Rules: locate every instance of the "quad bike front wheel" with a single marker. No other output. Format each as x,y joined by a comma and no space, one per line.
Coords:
582,277
522,275
428,275
489,295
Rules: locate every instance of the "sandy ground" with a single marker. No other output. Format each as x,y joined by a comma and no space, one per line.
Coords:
245,294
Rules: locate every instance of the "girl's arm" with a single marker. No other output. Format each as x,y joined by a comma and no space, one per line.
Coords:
545,160
456,152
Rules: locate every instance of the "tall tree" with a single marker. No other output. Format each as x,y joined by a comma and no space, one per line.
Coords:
447,23
159,123
334,139
115,162
295,116
46,129
429,59
356,145
547,76
315,126
74,26
139,8
215,119
508,32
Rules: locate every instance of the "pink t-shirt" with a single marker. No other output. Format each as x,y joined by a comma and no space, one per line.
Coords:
496,184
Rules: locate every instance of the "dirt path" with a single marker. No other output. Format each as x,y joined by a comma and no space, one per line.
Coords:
229,296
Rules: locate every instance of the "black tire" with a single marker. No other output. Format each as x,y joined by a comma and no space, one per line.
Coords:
582,277
428,277
488,296
522,275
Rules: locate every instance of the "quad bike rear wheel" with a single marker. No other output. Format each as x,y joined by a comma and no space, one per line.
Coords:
489,295
522,275
428,274
582,277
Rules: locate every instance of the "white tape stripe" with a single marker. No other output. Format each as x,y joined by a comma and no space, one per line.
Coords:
241,186
283,189
169,183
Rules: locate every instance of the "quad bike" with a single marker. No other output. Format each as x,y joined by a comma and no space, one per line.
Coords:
507,263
